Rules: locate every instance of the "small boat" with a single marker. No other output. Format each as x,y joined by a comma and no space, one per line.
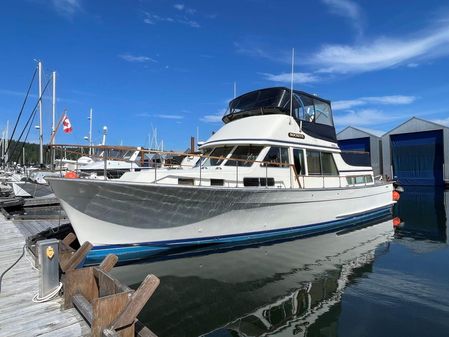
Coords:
273,170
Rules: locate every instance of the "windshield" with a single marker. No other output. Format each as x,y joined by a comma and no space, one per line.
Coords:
246,153
219,154
265,98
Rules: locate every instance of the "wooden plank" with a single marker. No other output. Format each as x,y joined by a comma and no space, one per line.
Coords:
69,239
76,258
84,307
138,300
106,310
79,281
108,263
40,202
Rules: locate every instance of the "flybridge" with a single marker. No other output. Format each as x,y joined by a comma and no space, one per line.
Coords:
314,113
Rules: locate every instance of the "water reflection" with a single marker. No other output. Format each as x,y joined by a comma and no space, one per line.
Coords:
423,211
300,288
257,290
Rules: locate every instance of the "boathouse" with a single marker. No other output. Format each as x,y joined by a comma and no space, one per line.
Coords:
356,142
416,152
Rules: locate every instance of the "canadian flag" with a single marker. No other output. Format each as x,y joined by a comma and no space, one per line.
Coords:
66,125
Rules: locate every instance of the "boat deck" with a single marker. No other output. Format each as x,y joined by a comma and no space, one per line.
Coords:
19,316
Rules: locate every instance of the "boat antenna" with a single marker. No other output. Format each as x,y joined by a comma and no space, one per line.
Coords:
235,89
291,83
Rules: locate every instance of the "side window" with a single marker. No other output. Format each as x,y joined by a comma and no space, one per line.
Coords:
298,158
277,155
328,164
313,162
323,113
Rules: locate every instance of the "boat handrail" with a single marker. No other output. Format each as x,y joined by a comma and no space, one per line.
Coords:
292,169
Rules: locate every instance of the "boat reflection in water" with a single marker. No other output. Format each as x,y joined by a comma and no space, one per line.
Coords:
423,211
275,289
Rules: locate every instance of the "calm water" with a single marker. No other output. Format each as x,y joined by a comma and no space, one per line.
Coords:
374,281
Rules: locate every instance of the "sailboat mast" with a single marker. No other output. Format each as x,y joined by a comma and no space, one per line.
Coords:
90,133
53,117
41,135
6,141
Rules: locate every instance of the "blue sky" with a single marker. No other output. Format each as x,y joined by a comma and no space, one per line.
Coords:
171,65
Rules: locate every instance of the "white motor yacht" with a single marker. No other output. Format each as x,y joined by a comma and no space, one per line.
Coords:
274,169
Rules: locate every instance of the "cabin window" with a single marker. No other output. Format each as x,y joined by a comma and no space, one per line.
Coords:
298,159
321,163
247,155
276,156
313,162
328,164
359,180
219,154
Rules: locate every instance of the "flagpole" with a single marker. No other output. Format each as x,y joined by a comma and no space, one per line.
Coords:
41,134
57,127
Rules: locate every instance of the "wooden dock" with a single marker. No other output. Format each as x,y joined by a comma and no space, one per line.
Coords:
19,316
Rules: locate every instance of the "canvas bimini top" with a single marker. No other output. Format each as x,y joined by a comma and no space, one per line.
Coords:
314,112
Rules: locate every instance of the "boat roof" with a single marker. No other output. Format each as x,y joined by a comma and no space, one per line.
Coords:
313,113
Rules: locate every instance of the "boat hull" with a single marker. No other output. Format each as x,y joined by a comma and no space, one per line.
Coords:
135,220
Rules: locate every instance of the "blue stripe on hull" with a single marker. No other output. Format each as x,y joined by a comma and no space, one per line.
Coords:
133,252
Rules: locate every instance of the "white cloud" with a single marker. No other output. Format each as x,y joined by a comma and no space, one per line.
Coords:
179,7
364,117
385,100
191,23
66,7
153,19
214,118
286,77
166,116
382,53
347,9
137,58
444,121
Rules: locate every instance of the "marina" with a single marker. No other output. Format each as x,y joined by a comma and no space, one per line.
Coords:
224,169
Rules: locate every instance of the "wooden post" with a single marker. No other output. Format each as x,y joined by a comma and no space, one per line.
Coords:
108,263
74,261
138,300
69,239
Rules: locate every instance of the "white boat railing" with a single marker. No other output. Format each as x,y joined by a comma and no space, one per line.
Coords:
160,160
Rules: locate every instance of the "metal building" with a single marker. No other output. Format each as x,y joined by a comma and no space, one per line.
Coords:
416,152
363,141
